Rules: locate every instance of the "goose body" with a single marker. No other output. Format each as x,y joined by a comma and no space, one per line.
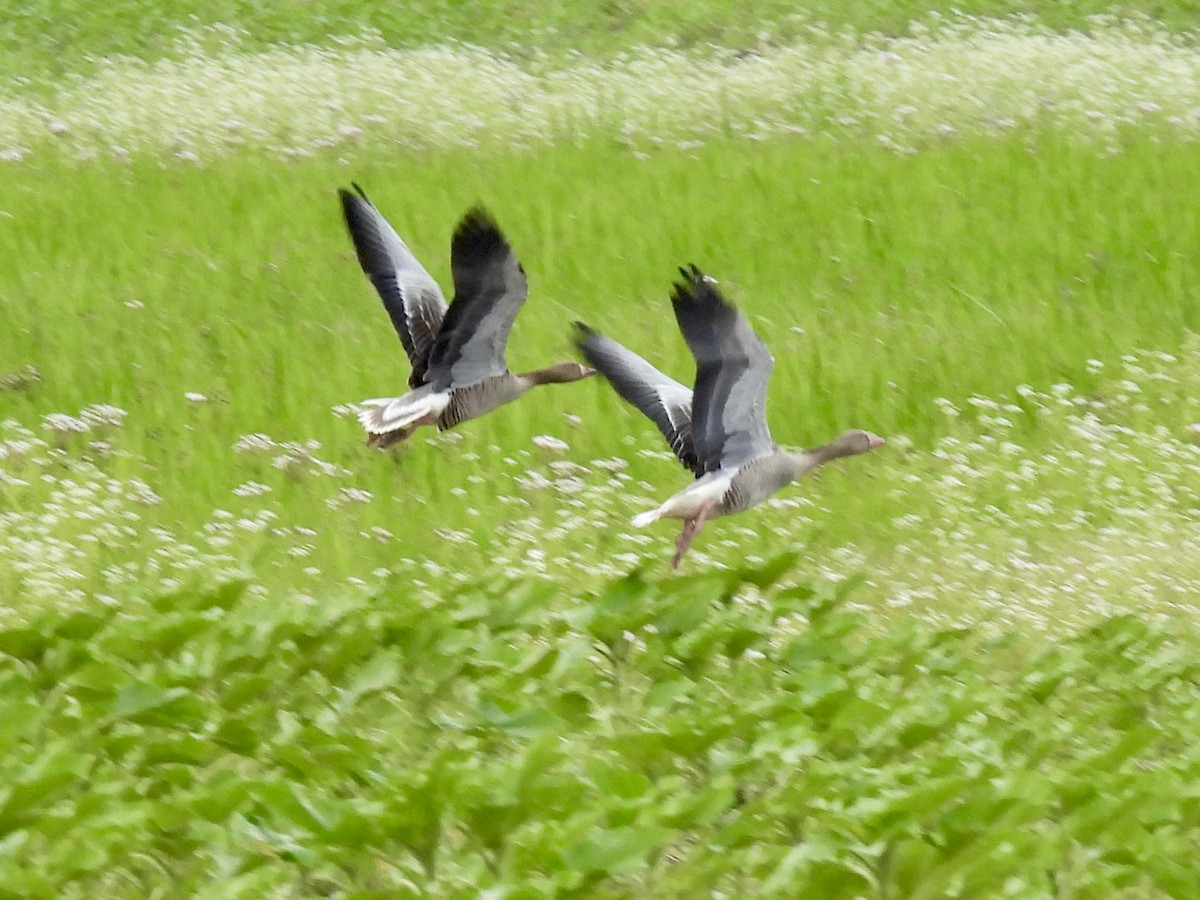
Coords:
457,350
719,429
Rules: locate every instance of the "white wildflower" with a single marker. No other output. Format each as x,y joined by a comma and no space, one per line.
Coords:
251,489
249,443
549,442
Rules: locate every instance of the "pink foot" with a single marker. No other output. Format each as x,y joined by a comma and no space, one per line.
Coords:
382,441
691,527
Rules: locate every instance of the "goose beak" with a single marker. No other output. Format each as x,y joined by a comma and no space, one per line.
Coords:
874,440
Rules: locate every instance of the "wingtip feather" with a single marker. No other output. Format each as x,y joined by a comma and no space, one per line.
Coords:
697,287
352,197
477,218
584,334
477,236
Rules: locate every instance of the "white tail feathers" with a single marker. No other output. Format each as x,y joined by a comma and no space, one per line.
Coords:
641,520
687,503
384,415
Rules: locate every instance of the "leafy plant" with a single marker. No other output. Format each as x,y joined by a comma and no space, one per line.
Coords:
734,736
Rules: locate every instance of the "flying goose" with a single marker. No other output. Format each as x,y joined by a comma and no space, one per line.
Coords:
718,431
457,352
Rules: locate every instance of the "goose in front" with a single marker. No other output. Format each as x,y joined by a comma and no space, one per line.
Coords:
718,431
457,351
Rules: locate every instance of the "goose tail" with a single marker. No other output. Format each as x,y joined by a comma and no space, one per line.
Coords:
384,415
641,520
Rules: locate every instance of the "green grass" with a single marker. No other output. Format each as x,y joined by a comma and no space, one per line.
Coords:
882,282
312,668
886,262
47,40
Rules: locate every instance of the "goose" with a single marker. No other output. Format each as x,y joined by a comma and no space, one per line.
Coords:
718,431
457,351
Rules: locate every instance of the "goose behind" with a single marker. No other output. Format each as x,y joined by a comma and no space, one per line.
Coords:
457,350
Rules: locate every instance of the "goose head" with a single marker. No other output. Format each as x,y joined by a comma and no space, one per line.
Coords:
853,442
560,373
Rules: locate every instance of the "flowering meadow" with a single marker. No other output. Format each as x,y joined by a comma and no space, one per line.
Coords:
942,80
242,654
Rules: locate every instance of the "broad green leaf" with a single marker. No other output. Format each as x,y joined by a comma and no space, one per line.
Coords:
805,649
618,609
239,690
572,706
24,643
536,664
226,596
616,781
541,757
692,738
19,881
241,734
489,715
227,792
29,789
618,850
380,672
700,807
770,571
789,874
11,844
173,747
665,693
742,639
81,625
146,704
100,677
137,698
174,630
19,717
685,611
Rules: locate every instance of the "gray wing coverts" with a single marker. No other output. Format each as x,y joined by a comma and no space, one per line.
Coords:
413,300
666,402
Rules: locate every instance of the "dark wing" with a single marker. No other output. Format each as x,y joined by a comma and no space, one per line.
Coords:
733,365
666,402
411,297
489,289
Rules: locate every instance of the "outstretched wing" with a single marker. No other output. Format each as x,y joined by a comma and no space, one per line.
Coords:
411,297
666,402
489,290
733,365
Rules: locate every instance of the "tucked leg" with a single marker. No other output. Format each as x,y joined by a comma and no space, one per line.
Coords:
392,437
691,527
383,439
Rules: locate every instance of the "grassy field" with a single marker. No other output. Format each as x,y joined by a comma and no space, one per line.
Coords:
44,42
943,83
887,281
245,654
